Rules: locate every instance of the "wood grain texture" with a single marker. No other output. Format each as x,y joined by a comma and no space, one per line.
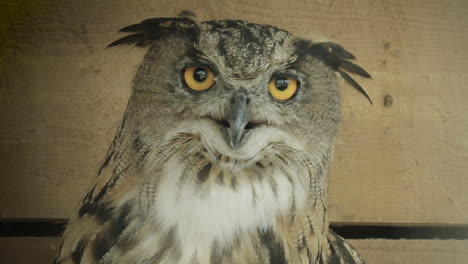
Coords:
62,96
381,251
26,250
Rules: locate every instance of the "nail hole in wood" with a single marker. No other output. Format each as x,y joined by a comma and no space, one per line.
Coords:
388,100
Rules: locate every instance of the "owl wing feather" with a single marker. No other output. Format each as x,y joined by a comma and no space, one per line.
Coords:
102,216
341,252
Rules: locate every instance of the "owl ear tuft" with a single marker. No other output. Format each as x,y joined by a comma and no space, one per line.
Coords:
355,84
335,56
150,30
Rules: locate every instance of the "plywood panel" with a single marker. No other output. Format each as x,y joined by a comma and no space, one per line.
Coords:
62,96
381,251
15,250
27,250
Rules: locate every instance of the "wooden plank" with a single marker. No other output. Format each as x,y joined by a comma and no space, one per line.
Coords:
62,96
27,250
14,250
383,251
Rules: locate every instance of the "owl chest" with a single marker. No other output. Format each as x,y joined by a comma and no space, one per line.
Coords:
220,207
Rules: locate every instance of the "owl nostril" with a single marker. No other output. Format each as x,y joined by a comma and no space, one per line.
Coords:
254,124
250,125
224,123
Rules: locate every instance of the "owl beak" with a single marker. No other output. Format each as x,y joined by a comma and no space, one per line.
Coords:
238,119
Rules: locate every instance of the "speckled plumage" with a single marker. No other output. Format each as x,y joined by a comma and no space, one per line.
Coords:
173,190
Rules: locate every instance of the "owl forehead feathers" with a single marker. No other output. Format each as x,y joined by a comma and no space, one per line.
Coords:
244,49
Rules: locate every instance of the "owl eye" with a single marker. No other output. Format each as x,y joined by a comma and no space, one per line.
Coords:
282,88
199,78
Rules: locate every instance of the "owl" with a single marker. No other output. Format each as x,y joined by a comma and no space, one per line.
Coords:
222,156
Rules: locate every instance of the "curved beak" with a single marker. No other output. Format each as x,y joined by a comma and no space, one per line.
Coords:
238,119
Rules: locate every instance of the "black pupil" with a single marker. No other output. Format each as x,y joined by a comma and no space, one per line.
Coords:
281,84
200,75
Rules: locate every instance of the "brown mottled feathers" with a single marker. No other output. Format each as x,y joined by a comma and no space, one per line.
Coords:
333,54
341,252
176,188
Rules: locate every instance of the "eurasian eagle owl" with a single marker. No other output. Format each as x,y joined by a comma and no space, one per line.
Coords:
223,152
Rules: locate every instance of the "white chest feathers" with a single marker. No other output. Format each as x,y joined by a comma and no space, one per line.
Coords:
225,205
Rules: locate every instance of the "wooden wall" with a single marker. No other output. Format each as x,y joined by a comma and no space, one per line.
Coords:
62,96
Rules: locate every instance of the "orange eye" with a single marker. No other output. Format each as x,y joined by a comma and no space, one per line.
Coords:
282,88
198,78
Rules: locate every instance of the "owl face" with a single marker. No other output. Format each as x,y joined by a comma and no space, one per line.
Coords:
239,87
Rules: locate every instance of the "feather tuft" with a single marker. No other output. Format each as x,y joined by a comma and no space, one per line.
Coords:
149,30
353,68
335,56
356,85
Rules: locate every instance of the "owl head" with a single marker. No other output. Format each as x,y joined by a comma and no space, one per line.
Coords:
238,87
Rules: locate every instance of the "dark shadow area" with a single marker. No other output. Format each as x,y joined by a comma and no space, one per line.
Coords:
400,232
54,229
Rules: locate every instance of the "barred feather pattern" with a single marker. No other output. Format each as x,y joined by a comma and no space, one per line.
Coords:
172,189
237,222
